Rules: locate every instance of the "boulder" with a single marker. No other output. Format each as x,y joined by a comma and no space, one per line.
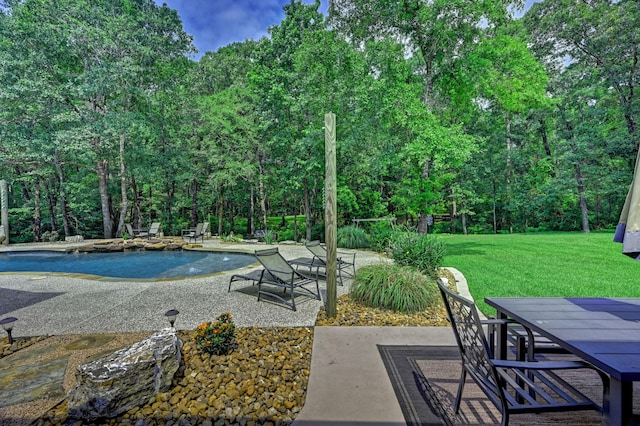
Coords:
114,384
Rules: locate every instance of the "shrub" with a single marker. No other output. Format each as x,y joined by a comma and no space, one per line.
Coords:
392,286
216,338
269,237
352,237
421,251
381,233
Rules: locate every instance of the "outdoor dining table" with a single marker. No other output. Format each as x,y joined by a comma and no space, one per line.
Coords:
605,332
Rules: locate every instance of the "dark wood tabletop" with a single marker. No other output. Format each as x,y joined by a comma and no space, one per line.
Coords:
603,331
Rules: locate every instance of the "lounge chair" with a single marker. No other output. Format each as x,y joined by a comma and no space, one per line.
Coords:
278,272
512,386
134,233
254,276
194,233
129,230
153,231
346,262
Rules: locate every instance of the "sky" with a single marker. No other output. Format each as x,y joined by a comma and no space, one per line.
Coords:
217,23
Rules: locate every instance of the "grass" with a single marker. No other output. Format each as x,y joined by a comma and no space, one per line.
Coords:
544,264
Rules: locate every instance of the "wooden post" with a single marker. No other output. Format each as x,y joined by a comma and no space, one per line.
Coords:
330,216
4,215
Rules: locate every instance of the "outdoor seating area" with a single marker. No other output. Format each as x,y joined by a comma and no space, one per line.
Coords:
280,272
152,232
514,387
199,232
345,262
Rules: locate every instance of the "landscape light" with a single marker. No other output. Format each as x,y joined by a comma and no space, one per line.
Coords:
7,324
171,316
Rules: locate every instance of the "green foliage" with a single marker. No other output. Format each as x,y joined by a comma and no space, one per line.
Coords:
216,338
269,237
352,237
422,251
231,238
381,234
392,286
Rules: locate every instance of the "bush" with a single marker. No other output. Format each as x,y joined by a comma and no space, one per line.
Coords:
421,251
352,237
216,338
381,233
392,286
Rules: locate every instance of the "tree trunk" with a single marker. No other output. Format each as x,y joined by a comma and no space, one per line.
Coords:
64,210
37,215
464,223
194,203
102,168
136,211
220,210
252,211
123,189
52,202
307,212
263,198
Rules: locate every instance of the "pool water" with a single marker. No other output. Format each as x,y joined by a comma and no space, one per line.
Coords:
135,264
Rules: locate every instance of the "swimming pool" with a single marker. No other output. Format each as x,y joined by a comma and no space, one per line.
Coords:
131,265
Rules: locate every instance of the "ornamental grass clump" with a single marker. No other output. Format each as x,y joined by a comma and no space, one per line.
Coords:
422,251
216,338
392,286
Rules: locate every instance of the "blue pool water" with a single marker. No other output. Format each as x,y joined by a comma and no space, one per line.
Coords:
136,264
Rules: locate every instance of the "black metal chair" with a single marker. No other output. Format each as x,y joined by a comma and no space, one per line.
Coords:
512,386
278,272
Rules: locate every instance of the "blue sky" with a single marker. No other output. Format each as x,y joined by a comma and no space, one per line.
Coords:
217,23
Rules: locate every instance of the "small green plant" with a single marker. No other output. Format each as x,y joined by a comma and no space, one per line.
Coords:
125,236
269,237
231,238
395,287
218,337
352,237
421,251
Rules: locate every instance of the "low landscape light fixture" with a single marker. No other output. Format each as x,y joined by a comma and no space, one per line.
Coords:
171,316
7,324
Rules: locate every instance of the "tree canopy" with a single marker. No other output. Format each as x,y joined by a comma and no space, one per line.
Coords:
453,110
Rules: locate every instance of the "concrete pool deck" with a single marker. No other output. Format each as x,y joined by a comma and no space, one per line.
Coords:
56,304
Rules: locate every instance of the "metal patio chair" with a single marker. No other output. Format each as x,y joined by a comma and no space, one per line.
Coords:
512,386
278,272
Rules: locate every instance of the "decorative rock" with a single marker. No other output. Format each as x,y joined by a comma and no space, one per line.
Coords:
116,383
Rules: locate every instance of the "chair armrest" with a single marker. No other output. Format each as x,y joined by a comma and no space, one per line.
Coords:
346,255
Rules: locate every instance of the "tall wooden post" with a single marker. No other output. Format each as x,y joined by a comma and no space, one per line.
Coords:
330,216
4,215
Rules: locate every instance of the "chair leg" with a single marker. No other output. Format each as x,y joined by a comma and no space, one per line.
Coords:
293,298
463,377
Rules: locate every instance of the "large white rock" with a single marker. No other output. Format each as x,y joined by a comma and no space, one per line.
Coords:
114,384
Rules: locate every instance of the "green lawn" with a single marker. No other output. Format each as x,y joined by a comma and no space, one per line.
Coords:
545,264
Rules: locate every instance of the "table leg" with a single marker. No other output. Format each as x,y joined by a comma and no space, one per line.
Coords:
501,338
618,405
